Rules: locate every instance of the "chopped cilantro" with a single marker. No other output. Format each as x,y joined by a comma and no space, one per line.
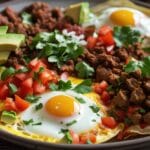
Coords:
84,87
28,122
13,88
80,100
84,70
95,108
143,65
53,87
27,18
32,98
37,124
38,106
142,111
125,36
58,48
88,142
7,72
71,123
22,70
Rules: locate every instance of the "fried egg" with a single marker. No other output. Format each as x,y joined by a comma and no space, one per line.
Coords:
63,110
122,16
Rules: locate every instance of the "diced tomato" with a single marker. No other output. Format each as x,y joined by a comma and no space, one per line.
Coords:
105,97
103,85
120,114
46,76
107,39
120,135
97,88
4,91
18,66
143,125
39,65
38,87
21,104
21,76
24,91
109,122
33,63
27,83
91,42
104,30
88,136
10,105
75,137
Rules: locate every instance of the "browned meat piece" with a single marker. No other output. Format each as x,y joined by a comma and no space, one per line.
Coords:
137,96
113,78
91,57
3,20
147,86
121,100
11,14
122,54
110,60
147,118
116,71
132,83
137,74
68,67
135,118
147,103
123,76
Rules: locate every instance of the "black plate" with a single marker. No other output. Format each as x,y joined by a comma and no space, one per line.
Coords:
138,144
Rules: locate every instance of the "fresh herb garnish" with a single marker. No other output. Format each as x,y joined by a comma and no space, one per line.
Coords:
62,85
22,70
88,142
80,100
32,98
7,72
84,87
95,108
142,111
31,122
27,18
28,122
143,65
84,70
58,48
38,106
125,36
146,49
128,121
93,120
13,88
71,123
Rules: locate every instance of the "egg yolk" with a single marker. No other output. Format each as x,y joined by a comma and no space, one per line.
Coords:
62,106
122,18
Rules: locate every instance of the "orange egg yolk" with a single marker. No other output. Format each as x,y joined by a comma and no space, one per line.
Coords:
62,106
122,18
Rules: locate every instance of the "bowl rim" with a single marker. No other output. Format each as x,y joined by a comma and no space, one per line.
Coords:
25,141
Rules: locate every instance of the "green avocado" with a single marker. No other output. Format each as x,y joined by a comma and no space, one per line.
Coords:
3,29
78,12
4,56
8,117
10,41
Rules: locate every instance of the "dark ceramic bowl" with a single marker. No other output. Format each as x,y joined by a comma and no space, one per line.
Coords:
138,144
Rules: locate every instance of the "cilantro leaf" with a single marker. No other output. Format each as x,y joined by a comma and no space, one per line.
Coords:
84,70
38,106
7,72
58,48
62,85
32,98
80,100
84,87
28,122
125,36
71,123
26,18
143,65
94,108
13,88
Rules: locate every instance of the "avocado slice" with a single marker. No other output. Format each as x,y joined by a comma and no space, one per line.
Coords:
3,29
78,12
4,56
8,117
10,41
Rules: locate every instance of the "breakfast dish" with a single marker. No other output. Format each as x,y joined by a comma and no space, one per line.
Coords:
75,75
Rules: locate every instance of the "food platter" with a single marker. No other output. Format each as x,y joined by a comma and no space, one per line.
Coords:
142,142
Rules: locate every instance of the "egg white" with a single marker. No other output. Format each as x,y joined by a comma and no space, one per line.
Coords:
52,125
142,22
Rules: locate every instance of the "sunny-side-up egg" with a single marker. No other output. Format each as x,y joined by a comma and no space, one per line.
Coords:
122,16
64,110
